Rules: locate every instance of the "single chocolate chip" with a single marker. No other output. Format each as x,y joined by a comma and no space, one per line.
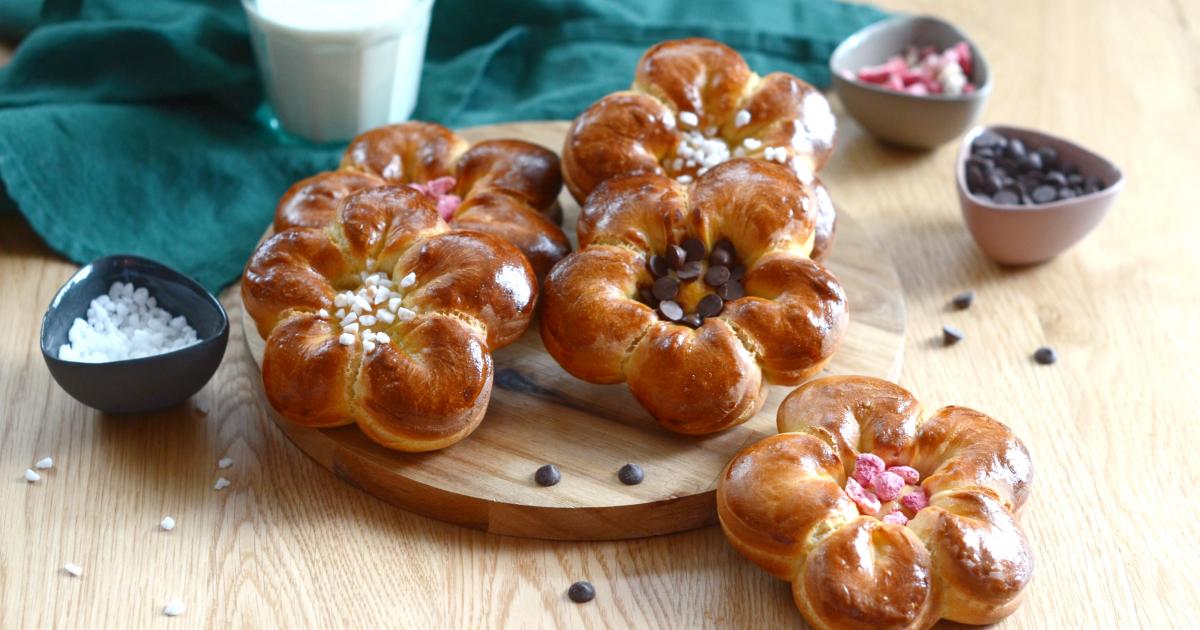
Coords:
1092,184
675,256
631,474
671,310
1015,149
974,178
731,291
694,249
986,152
647,296
582,592
658,266
666,288
1049,156
725,245
690,270
547,475
951,335
1044,194
737,272
993,184
1026,184
1070,169
1045,355
692,320
716,276
1074,179
1055,178
1006,197
1032,162
720,257
710,305
1066,193
988,139
964,300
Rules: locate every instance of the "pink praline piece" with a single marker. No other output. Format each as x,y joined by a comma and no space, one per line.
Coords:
867,502
866,467
887,486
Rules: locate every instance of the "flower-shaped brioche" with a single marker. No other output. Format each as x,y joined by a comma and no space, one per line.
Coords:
409,356
694,103
709,375
795,504
508,188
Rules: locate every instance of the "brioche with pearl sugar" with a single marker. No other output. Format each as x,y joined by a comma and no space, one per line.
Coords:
879,516
694,103
696,296
386,317
508,188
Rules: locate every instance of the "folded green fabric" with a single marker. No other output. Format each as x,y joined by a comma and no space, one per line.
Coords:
133,126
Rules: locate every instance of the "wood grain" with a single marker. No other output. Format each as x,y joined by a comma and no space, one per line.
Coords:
539,413
1112,427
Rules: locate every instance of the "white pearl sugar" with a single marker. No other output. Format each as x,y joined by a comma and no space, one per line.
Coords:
31,476
74,569
167,523
174,608
44,463
125,323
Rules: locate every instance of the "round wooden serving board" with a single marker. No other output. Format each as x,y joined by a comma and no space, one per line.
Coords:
540,414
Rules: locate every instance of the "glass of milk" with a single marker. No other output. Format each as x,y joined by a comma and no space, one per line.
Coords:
335,68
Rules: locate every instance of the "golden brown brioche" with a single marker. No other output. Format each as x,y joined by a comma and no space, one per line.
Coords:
794,505
507,188
597,323
691,91
411,363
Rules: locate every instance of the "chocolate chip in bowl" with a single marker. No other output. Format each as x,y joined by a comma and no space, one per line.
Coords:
886,100
1027,196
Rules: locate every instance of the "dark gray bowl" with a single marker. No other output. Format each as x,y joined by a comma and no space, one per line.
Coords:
908,120
147,383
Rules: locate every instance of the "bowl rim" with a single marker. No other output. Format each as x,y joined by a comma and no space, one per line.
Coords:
862,34
170,275
964,152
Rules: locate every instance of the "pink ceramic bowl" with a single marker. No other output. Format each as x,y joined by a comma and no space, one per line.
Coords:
1022,235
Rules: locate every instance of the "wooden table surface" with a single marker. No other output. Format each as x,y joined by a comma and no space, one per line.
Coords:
1112,427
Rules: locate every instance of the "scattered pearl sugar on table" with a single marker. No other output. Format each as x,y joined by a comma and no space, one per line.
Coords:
125,323
74,569
174,607
44,463
167,523
31,476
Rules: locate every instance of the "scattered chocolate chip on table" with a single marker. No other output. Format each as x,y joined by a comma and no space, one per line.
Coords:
581,592
964,300
952,335
1045,355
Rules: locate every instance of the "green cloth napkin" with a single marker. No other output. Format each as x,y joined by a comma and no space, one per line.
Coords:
137,126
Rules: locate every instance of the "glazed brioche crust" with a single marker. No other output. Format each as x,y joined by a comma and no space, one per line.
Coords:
963,557
509,188
637,131
711,378
429,384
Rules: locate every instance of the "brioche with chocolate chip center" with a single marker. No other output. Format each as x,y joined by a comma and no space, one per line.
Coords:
691,284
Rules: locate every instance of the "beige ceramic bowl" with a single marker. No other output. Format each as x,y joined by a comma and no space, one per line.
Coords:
1022,235
908,120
